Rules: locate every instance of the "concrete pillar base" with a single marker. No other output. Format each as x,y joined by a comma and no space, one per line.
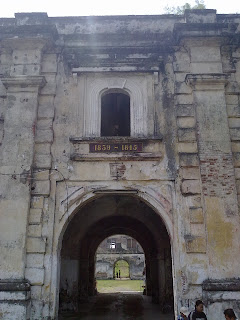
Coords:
14,300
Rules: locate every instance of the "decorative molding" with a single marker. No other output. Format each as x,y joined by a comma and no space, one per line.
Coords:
24,83
140,156
14,285
207,82
123,68
221,285
114,139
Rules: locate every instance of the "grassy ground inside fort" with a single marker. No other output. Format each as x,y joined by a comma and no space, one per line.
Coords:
108,286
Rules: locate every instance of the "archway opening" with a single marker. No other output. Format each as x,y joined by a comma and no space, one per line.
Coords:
103,217
120,265
115,114
121,270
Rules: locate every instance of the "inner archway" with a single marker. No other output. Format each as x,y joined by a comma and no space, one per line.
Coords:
121,269
103,217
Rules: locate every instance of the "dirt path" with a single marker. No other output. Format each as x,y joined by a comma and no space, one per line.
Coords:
119,306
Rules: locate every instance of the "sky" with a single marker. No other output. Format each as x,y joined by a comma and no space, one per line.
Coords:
59,8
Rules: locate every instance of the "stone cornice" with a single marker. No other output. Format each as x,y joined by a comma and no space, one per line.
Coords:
207,82
14,285
114,139
24,83
205,30
24,32
222,285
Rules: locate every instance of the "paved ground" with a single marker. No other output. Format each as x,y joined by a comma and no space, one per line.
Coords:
119,306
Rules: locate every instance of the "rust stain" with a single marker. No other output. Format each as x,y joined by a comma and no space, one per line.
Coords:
220,231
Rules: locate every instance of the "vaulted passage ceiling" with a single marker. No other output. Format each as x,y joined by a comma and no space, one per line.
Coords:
110,215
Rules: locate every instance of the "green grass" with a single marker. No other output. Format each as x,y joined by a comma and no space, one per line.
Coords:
107,286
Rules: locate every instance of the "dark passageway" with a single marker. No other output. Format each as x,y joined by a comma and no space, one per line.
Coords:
118,306
99,219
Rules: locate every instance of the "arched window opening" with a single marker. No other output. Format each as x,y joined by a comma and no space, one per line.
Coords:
115,114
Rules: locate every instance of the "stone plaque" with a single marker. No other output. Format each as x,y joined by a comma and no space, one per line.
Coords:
116,147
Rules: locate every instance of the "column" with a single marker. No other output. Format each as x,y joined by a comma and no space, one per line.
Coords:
217,173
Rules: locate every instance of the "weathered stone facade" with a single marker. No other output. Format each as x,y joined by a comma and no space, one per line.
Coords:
177,196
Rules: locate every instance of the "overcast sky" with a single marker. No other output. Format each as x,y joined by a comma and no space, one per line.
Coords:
105,7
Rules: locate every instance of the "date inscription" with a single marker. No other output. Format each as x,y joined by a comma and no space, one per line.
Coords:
116,147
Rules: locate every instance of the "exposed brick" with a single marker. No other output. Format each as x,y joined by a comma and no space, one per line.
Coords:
217,173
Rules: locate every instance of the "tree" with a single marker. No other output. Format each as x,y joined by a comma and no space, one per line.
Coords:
199,4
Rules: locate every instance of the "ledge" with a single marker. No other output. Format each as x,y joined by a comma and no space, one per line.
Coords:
204,30
140,156
222,285
114,139
207,82
14,285
118,191
123,68
24,82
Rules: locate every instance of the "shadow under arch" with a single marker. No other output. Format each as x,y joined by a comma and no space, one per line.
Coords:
82,198
102,217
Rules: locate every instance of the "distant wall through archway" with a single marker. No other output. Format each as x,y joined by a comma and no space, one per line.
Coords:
103,217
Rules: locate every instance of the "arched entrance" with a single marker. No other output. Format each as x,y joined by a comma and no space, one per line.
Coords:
100,218
121,269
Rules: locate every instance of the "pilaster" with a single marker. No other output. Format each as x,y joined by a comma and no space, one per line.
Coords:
217,171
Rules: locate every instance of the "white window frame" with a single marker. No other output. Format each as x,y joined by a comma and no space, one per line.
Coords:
92,110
